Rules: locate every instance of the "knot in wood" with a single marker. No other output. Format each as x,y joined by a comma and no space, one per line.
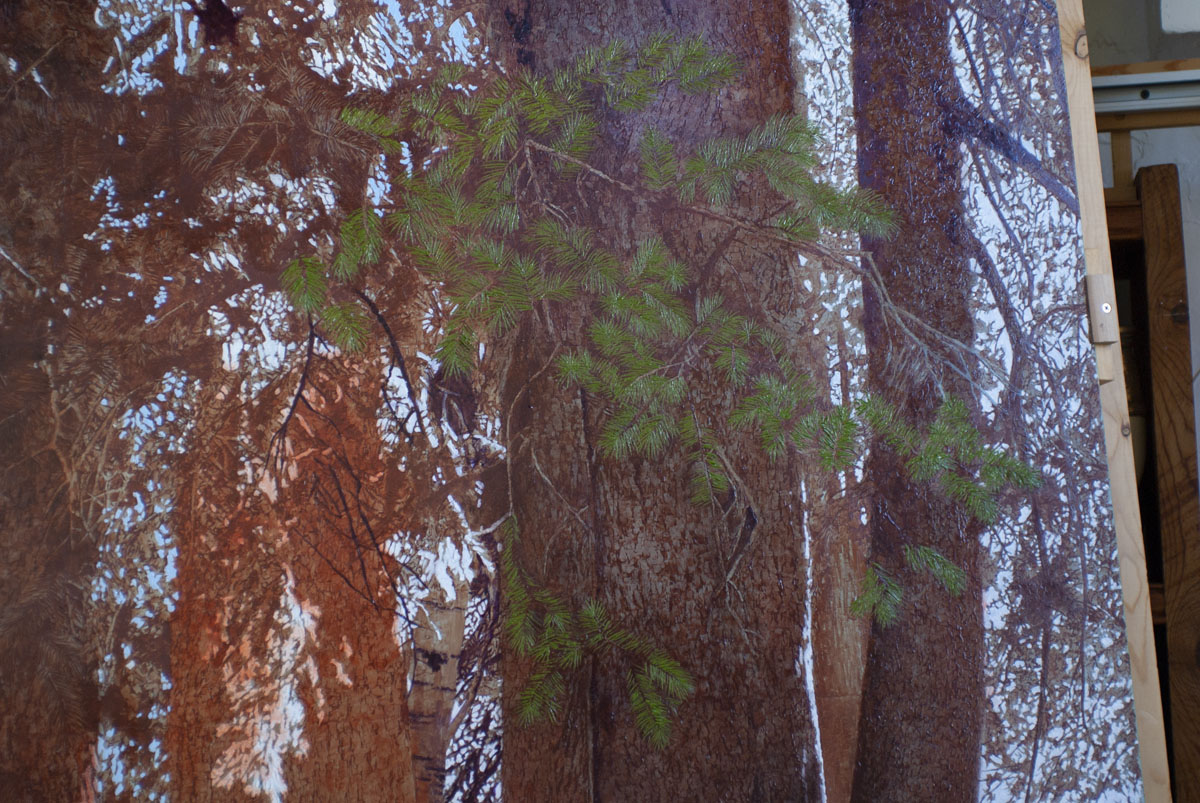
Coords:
1179,313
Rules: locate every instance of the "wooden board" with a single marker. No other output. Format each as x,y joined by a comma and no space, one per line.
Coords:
1175,452
1124,220
1142,67
1141,121
1151,737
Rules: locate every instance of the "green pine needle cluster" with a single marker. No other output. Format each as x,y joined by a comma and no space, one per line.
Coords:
951,453
541,626
880,595
945,571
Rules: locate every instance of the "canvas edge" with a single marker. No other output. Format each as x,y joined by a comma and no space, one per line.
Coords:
1152,746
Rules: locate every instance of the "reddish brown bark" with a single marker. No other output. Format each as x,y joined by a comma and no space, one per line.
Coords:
235,574
69,377
49,706
839,638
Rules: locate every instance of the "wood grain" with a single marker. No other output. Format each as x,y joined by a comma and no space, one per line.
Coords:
1158,604
1102,308
1151,739
1124,220
1122,159
1175,452
1140,67
1140,121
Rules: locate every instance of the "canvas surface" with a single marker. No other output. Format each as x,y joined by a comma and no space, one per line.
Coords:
671,402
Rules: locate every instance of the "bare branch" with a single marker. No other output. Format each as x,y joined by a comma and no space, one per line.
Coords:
398,357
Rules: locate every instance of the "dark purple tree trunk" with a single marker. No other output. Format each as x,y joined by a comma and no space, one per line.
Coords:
922,704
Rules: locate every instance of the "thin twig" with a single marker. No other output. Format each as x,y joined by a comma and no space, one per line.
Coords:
508,463
280,436
21,270
30,69
398,357
579,163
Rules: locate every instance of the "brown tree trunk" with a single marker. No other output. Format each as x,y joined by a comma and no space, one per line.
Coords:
923,697
624,531
47,695
839,638
237,554
357,721
213,600
240,661
49,710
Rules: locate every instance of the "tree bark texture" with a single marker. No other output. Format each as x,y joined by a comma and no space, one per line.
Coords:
285,618
923,699
623,531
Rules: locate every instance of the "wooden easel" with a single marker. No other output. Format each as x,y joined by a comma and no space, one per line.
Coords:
1135,589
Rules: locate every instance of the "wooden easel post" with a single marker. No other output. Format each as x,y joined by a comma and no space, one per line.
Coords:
1152,743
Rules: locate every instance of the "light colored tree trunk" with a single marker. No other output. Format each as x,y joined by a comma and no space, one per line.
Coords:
437,644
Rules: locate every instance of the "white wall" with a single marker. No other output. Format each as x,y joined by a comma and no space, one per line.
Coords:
1180,16
1127,31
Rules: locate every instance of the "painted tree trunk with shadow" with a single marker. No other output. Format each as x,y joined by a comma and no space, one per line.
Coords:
923,700
722,588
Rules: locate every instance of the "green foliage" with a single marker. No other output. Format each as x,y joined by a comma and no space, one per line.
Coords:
658,164
305,284
374,124
708,478
969,472
361,241
490,217
941,568
557,637
878,595
883,419
346,324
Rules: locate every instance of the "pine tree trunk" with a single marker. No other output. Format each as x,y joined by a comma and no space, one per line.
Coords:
210,601
840,639
47,696
624,531
358,721
922,705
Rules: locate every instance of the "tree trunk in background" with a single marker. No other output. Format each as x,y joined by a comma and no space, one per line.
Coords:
437,645
287,649
923,698
624,531
840,639
47,694
189,663
49,706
